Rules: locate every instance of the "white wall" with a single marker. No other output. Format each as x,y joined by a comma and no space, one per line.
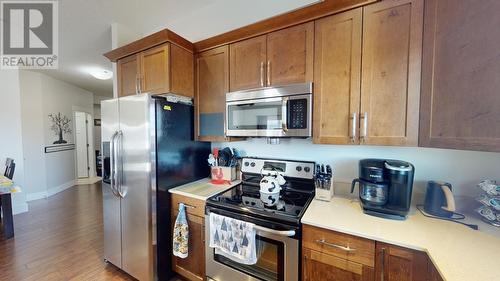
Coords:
42,95
11,144
35,184
463,169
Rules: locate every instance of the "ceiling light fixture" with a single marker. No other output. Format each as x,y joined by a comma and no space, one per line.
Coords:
101,74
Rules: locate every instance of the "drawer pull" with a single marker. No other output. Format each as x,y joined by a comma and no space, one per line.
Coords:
347,249
188,206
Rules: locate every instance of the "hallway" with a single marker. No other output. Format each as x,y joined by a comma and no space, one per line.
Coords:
60,238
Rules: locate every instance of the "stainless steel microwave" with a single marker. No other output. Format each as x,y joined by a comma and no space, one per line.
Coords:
284,111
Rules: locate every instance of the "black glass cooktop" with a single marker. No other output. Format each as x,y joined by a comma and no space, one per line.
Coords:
245,198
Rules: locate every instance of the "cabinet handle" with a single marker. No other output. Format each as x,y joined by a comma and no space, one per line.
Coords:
347,249
382,277
189,206
364,126
268,73
306,274
137,84
353,126
262,74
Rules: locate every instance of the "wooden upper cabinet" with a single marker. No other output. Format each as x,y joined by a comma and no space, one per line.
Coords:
400,264
460,75
390,77
166,68
128,75
247,61
182,71
317,266
290,55
278,58
155,70
337,78
212,84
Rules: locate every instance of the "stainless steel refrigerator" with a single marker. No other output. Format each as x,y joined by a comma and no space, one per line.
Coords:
148,147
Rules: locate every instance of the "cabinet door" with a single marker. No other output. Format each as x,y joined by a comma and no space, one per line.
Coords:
192,267
337,78
322,267
394,263
290,55
460,87
248,59
212,84
128,75
155,70
432,273
181,71
390,79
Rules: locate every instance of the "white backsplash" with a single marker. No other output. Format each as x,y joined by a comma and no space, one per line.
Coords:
463,169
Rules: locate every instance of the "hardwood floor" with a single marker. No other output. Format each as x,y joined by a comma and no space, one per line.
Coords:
60,238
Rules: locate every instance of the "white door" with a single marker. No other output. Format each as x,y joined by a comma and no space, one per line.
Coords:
82,156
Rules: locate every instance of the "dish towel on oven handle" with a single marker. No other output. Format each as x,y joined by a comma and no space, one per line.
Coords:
233,239
181,234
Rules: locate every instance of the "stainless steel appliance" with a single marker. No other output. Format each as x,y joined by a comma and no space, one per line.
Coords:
385,187
148,147
284,111
278,227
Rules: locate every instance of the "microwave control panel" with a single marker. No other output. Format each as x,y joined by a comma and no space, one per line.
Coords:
297,114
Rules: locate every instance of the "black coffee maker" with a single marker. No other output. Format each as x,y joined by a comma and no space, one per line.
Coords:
385,187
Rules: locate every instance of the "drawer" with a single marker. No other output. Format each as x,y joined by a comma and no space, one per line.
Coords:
194,206
338,244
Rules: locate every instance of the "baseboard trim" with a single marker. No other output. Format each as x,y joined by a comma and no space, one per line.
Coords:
49,192
62,187
19,208
36,196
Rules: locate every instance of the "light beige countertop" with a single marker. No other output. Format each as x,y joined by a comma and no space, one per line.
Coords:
202,189
458,252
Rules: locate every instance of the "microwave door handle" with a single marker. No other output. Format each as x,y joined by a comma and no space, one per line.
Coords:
284,115
288,233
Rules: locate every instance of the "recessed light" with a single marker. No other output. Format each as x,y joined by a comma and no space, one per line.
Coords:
101,74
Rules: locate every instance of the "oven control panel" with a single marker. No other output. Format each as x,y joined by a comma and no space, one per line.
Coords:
289,168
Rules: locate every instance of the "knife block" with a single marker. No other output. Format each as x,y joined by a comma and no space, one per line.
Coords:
324,194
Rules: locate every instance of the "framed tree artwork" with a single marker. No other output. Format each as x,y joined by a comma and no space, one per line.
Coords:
60,126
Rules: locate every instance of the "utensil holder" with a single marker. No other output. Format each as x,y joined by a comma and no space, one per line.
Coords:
221,175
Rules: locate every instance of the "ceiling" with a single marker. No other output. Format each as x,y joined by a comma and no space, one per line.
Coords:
85,28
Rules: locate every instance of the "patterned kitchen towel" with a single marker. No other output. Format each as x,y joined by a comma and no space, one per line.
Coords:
181,234
233,239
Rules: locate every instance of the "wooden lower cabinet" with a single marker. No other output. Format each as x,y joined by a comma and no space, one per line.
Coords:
193,267
395,263
317,266
330,255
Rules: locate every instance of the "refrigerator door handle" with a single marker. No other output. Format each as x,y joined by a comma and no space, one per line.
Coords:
119,153
112,165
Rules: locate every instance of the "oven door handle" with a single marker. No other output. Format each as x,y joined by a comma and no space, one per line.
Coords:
288,233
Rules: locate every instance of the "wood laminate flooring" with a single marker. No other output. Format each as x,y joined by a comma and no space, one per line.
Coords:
60,238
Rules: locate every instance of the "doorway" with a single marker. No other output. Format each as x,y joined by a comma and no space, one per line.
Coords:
84,144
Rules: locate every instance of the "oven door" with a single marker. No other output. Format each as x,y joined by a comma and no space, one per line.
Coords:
288,116
278,258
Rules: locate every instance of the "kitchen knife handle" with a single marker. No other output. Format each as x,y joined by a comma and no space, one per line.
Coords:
262,74
354,126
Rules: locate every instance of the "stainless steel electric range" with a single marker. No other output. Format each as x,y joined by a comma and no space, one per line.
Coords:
278,227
